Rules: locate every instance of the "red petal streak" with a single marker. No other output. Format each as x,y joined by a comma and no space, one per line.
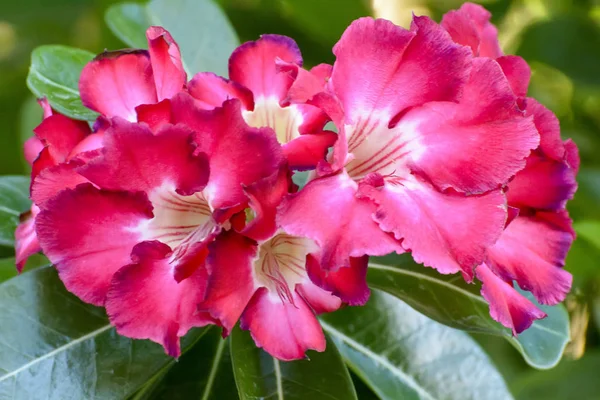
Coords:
87,234
136,159
253,65
114,84
449,232
532,251
282,329
328,211
145,301
231,284
169,75
507,306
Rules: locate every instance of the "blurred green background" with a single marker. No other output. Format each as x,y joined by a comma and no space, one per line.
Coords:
559,38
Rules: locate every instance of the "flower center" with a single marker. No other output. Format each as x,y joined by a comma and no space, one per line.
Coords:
281,264
285,121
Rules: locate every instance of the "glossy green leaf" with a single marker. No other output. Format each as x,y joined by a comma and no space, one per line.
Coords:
259,376
54,73
55,347
203,32
402,354
450,300
8,270
14,200
203,373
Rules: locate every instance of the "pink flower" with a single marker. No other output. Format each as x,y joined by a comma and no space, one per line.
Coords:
533,247
429,135
268,78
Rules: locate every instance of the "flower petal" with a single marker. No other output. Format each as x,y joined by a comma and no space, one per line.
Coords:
319,300
32,148
328,211
447,231
167,69
507,306
155,115
223,135
517,72
61,134
348,283
306,151
475,145
231,283
136,159
551,145
282,329
145,302
532,251
114,84
382,67
53,180
26,242
253,65
211,91
86,233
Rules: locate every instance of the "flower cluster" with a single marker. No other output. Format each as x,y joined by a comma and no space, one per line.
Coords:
178,210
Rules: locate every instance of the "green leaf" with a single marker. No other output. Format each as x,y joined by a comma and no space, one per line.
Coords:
402,354
8,269
258,375
450,300
54,73
203,373
590,231
55,347
14,200
203,32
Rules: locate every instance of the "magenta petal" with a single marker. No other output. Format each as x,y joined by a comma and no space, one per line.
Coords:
447,231
308,83
136,159
26,242
53,180
231,283
572,155
228,141
253,65
61,134
306,151
328,211
32,148
145,301
211,91
380,66
478,144
87,234
114,84
282,329
517,72
155,115
543,184
507,306
319,300
167,69
532,251
548,126
348,283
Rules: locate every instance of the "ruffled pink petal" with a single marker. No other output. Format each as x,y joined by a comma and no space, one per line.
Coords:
348,283
155,115
307,83
32,148
551,145
94,141
470,26
306,151
61,134
264,198
475,145
447,231
282,329
532,251
507,306
53,180
44,160
319,300
517,72
114,84
167,69
145,302
253,65
572,155
382,69
87,234
543,184
136,159
328,211
26,242
231,282
228,141
211,91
